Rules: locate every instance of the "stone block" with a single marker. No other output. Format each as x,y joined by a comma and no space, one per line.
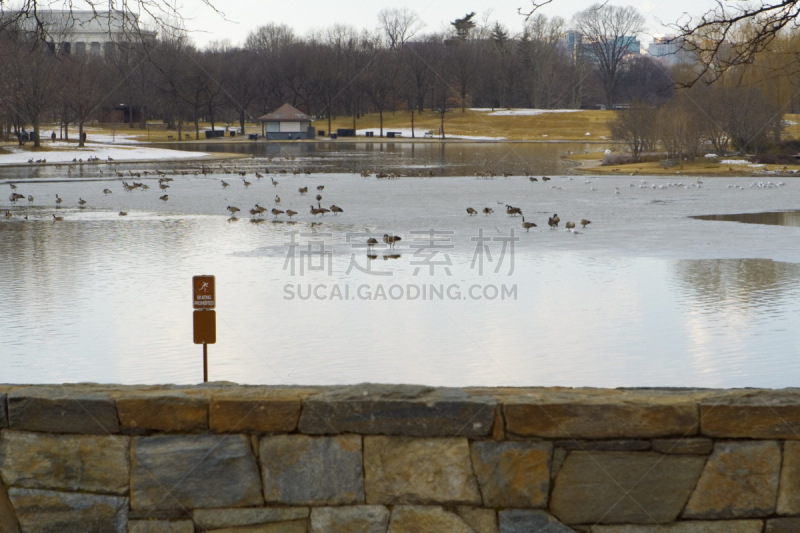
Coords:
297,526
160,526
194,471
751,414
422,519
789,495
353,519
526,521
62,410
222,518
304,470
44,511
481,520
783,525
720,526
600,414
604,445
170,411
259,409
85,463
623,487
512,474
740,480
406,410
3,410
8,518
409,470
689,446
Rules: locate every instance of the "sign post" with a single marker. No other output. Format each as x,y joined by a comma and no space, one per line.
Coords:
204,317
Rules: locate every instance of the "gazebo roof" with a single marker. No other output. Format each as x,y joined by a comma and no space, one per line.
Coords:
286,113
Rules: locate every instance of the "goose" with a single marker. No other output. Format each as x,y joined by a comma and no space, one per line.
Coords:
277,199
242,173
259,176
303,190
246,183
372,256
290,213
315,211
8,214
58,201
336,209
163,186
106,191
260,209
13,187
165,197
320,187
471,211
319,197
276,212
545,178
81,202
533,179
323,210
585,222
275,183
513,211
254,212
145,187
391,239
16,196
553,221
527,225
225,184
372,242
57,219
123,213
488,210
30,198
233,209
570,225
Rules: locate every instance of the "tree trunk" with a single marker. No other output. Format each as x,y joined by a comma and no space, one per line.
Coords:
36,142
80,133
441,128
412,123
380,114
241,120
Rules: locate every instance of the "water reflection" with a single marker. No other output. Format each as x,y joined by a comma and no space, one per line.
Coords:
775,218
415,159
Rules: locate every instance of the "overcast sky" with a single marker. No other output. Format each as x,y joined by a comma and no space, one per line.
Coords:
245,15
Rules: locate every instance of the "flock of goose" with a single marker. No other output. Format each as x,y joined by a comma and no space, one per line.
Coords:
553,221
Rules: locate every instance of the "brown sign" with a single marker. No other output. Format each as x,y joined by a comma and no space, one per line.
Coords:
205,327
203,296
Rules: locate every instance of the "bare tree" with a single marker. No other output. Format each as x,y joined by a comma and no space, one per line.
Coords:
609,31
30,66
399,25
635,126
85,87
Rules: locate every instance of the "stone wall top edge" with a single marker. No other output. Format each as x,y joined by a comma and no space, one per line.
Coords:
472,389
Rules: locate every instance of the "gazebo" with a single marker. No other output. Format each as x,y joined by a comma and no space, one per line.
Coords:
287,123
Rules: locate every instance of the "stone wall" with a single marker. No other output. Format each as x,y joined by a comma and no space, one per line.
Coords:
397,459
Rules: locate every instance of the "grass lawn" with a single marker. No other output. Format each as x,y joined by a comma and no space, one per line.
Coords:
543,127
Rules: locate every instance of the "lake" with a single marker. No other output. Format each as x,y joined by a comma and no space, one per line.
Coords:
645,295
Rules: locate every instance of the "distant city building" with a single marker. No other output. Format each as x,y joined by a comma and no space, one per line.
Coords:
88,32
671,50
576,44
573,42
